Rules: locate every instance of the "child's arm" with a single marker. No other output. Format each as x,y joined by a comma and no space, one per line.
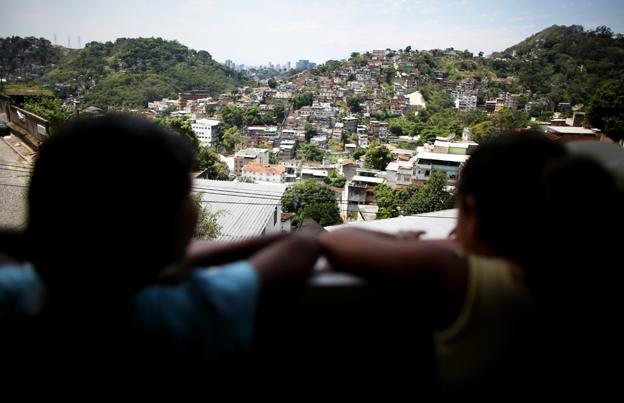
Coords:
212,253
287,262
434,267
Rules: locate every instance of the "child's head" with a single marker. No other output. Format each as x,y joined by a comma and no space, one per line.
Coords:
110,194
499,193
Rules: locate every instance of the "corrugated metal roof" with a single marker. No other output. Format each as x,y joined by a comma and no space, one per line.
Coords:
243,208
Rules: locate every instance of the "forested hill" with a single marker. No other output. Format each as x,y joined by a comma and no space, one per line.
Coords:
127,72
132,72
564,63
27,59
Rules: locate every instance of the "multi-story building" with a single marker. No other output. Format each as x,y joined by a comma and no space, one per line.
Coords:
264,173
250,155
207,131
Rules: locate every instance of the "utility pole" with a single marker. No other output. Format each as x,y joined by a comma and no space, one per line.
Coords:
69,41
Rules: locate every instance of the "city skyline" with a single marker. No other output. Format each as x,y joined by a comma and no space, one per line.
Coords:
253,33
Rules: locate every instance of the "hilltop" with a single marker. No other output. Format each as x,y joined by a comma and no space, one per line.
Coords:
129,72
563,63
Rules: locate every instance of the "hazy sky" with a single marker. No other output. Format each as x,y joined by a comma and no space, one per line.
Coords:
256,32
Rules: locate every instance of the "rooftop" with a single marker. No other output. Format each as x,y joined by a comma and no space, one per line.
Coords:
207,122
251,152
569,130
368,179
443,157
267,169
243,209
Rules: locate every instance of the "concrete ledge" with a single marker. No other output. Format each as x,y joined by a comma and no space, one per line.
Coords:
23,135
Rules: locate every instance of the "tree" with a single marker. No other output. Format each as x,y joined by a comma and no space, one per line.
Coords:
388,201
354,104
181,126
251,116
230,116
606,109
49,108
507,120
272,83
303,99
334,179
335,145
429,134
279,111
378,157
310,131
231,138
402,126
389,72
408,49
430,197
359,152
311,199
472,117
210,109
310,152
207,224
208,159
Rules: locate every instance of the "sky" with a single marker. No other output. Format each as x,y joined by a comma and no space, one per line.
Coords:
258,32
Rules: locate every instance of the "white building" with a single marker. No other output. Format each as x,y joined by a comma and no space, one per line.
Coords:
265,173
207,131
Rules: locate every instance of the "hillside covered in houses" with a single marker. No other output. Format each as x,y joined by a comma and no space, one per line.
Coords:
385,132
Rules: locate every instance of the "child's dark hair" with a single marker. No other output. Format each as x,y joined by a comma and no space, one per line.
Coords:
105,192
504,178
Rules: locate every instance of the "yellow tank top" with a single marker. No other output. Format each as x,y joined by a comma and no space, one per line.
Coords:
498,306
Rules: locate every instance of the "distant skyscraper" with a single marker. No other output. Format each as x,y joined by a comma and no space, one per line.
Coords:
305,64
230,64
287,65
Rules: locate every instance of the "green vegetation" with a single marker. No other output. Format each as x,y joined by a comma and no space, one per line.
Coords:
335,179
499,123
28,57
311,199
378,157
207,224
563,63
303,99
309,131
310,152
49,108
354,104
414,199
606,109
133,72
231,138
206,158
